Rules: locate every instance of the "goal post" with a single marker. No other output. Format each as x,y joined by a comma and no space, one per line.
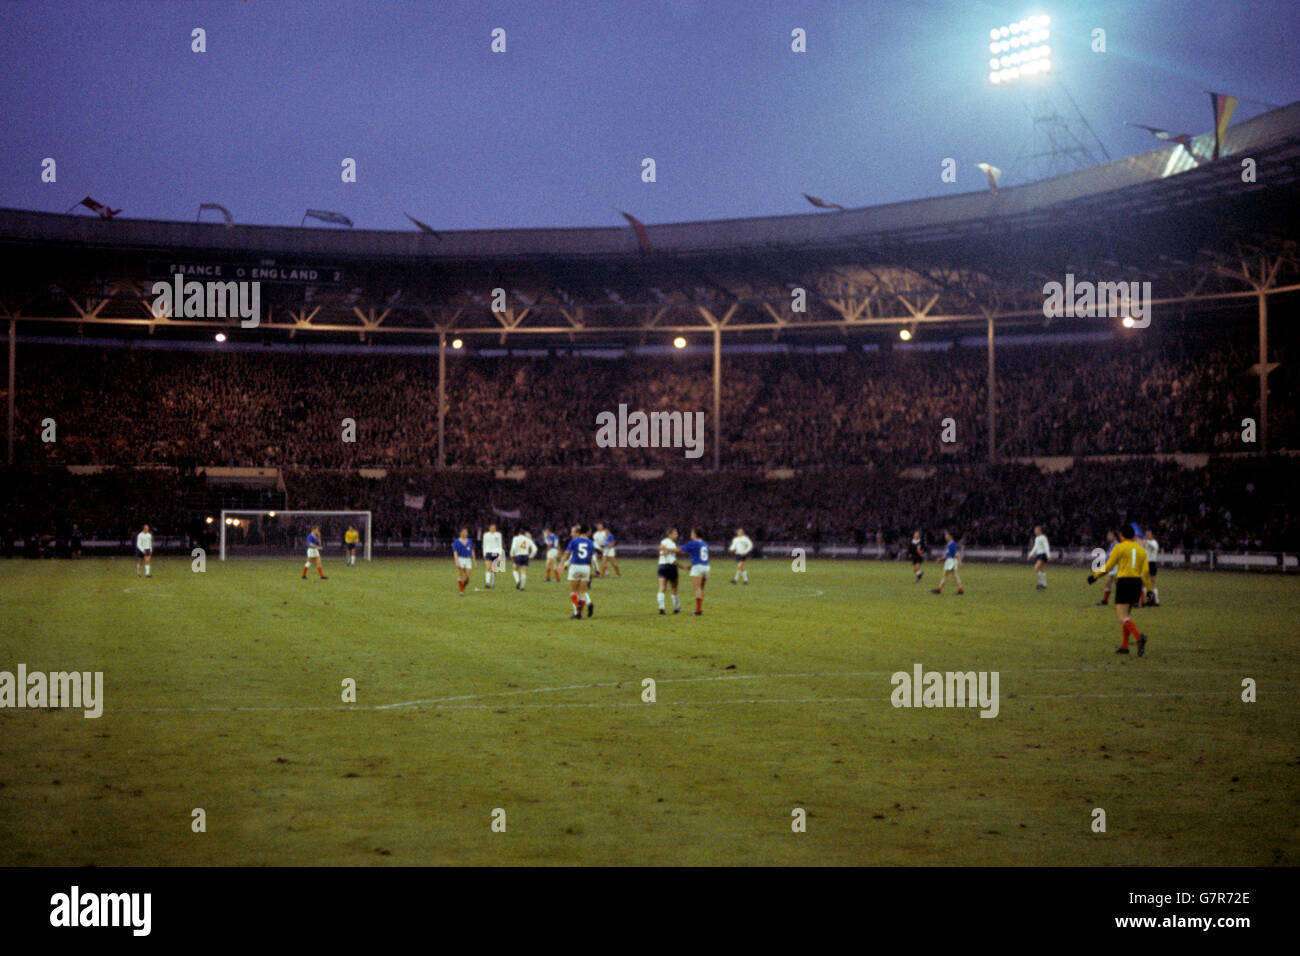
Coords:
276,532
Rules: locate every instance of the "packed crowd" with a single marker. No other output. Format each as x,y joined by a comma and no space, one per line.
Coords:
780,410
1230,504
852,424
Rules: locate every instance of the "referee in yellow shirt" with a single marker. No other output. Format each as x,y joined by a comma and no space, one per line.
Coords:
1129,561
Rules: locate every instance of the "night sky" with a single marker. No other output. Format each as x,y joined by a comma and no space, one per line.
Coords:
553,131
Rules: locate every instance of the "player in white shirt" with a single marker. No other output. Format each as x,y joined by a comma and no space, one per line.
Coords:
600,538
1041,552
668,552
143,551
1153,555
493,551
522,550
1111,541
740,546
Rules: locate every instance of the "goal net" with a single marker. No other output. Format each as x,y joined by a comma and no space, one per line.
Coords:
279,533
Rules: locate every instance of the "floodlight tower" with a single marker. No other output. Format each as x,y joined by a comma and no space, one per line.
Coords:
1020,55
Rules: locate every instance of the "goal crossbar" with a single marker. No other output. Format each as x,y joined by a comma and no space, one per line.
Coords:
277,513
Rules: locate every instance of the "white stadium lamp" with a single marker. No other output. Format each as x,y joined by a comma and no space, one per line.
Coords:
1019,50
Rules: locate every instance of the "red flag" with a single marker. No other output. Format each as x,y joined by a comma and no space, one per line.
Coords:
1164,134
638,226
104,211
822,203
1223,107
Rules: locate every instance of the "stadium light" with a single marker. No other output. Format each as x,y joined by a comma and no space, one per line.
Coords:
270,514
905,334
1019,50
209,521
220,336
1127,321
679,343
457,343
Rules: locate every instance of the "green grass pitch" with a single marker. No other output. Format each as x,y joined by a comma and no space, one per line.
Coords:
223,691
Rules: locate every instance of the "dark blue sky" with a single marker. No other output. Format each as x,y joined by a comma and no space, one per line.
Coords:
552,132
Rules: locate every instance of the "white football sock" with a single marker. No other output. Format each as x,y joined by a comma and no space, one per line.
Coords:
660,596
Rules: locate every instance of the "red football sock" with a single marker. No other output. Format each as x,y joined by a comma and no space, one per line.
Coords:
577,602
461,585
1124,632
699,605
320,570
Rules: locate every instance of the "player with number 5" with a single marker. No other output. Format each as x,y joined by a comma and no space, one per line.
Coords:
578,555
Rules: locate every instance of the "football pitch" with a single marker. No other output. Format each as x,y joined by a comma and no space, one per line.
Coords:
224,692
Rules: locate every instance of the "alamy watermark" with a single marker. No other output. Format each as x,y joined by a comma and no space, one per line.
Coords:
211,299
74,909
1087,299
951,689
653,430
73,689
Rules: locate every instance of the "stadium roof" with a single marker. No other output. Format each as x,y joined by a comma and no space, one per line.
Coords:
1171,216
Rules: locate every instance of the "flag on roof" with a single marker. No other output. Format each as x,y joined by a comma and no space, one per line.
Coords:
423,226
324,215
104,211
822,203
413,501
638,227
992,172
215,207
1165,135
1223,107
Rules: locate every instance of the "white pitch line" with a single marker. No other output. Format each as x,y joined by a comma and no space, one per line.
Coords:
690,680
452,703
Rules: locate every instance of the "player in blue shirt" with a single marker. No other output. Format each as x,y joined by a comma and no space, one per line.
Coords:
313,553
951,562
552,542
462,550
578,555
698,551
607,556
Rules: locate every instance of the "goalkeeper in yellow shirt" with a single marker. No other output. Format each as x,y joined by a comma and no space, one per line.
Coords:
350,539
1128,560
